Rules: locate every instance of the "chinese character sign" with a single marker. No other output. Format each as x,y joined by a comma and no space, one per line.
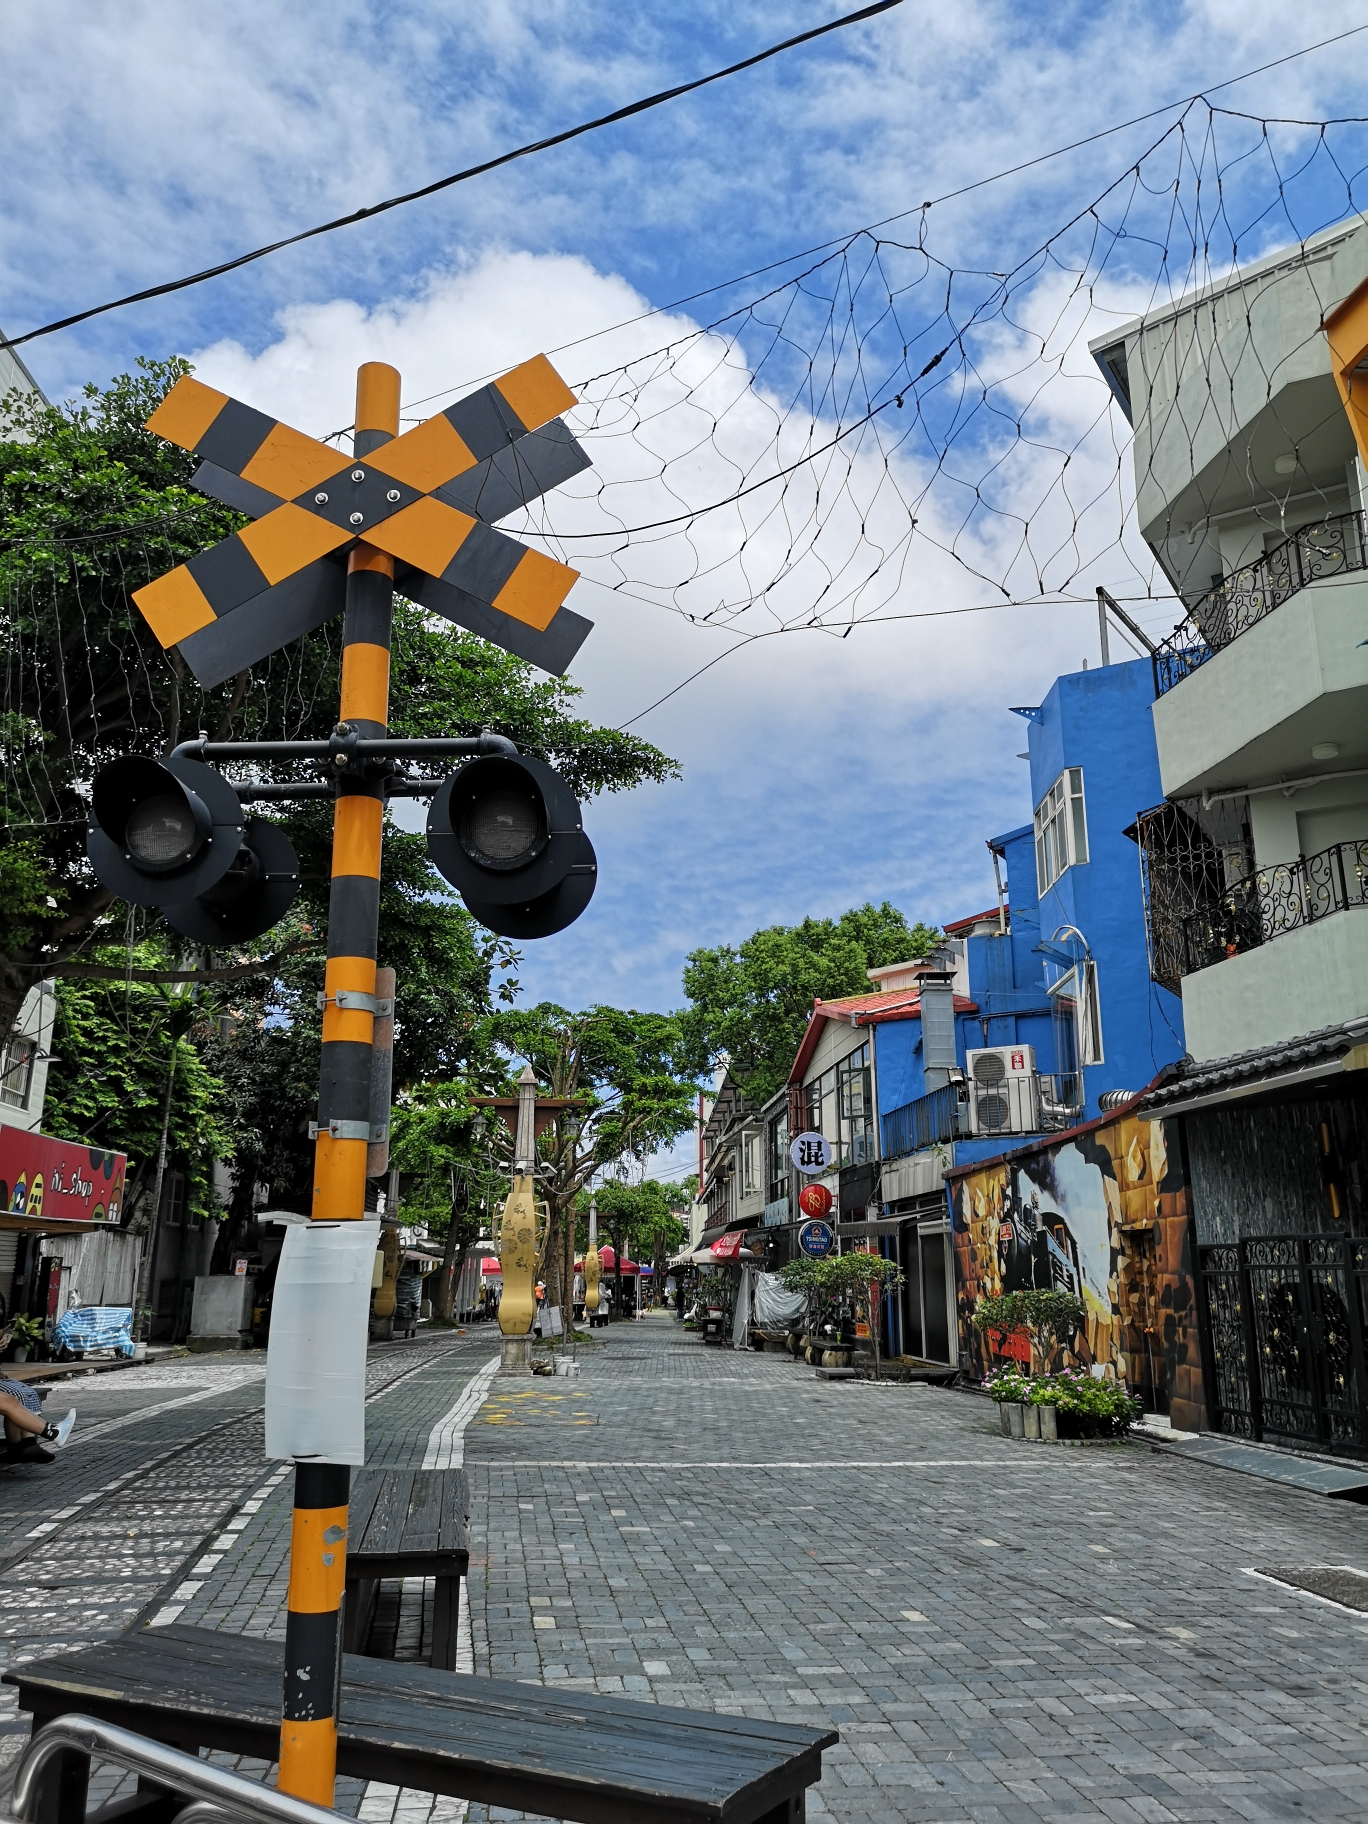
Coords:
811,1153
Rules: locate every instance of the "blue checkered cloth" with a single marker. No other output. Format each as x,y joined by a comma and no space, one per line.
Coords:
95,1327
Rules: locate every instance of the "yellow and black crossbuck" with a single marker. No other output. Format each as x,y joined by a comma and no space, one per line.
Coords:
427,499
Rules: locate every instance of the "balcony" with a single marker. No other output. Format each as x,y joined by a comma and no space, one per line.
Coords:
1205,904
1259,955
1014,1108
1331,547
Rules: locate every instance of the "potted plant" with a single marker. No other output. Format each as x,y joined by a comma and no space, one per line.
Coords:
26,1331
1050,1320
1085,1406
1010,1388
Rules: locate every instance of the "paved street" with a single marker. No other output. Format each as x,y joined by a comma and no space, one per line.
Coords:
999,1631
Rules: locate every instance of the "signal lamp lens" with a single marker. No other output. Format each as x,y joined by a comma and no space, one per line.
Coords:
161,832
501,830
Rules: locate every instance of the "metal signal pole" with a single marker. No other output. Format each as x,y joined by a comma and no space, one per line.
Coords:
318,1540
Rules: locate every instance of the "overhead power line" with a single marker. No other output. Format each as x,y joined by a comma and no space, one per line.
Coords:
456,177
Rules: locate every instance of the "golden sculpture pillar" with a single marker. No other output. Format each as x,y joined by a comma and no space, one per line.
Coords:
520,1238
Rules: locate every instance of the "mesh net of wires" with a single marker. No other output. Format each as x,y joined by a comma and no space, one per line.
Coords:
881,430
877,429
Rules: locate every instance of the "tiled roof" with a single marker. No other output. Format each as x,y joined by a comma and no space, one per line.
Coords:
868,1010
963,924
1191,1079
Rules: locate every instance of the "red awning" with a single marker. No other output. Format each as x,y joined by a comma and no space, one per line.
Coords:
608,1264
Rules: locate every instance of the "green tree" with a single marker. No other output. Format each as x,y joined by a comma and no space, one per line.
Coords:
641,1221
116,1046
751,1002
629,1094
92,506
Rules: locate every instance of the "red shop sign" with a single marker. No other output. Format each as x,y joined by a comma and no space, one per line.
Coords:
55,1181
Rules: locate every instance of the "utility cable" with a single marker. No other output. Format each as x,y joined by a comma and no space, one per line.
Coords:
456,177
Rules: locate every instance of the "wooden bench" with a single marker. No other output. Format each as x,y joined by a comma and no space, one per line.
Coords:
406,1523
555,1753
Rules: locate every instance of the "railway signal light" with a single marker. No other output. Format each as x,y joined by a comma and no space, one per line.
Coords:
507,833
171,833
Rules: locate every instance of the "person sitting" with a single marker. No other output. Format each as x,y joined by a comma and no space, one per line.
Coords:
26,1430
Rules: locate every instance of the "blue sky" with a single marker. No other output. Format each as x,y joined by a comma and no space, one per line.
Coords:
818,771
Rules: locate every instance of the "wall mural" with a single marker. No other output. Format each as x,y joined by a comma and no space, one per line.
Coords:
1104,1214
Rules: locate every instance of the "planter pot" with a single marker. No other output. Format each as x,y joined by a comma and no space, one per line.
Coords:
1049,1424
1030,1420
1005,1418
1016,1418
19,1353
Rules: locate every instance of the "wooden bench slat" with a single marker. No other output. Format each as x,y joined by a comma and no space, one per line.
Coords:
572,1754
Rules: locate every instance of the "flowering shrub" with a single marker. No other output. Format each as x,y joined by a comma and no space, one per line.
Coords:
1085,1407
1008,1384
1091,1407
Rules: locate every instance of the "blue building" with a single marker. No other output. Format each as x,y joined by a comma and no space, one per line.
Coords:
1094,763
1028,1013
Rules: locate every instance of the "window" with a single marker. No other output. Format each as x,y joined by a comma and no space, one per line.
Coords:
1077,1019
1061,828
173,1200
777,1160
750,1164
16,1077
855,1106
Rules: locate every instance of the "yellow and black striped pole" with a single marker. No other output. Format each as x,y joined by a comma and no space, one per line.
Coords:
318,1541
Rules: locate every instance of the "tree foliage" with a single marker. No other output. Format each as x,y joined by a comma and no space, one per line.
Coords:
113,1046
750,1003
631,1097
92,506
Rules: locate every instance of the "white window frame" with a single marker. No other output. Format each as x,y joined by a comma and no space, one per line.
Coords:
16,1072
1061,828
750,1162
1080,983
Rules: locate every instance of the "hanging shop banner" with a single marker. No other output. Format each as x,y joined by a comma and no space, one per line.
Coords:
728,1246
56,1181
811,1153
816,1239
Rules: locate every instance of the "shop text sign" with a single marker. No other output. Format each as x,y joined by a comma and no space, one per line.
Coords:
810,1152
56,1181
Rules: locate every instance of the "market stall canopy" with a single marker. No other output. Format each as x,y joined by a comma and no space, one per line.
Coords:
608,1264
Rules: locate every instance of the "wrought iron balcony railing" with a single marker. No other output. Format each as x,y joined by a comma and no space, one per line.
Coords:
1193,922
1330,547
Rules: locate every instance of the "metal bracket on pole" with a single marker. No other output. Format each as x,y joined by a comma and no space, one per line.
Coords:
342,1130
356,1000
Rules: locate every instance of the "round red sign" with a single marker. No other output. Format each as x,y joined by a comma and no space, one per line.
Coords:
814,1200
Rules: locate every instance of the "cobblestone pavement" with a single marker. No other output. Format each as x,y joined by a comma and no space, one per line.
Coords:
1000,1631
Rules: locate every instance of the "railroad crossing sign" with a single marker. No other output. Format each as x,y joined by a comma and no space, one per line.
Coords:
426,499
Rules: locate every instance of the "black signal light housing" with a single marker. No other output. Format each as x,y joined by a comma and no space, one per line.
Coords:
507,832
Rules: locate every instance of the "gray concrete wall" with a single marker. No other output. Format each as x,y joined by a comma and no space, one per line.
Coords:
1290,986
1252,714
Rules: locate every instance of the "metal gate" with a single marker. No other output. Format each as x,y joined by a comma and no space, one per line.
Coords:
1285,1321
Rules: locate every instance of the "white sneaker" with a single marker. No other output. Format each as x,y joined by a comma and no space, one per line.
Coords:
64,1428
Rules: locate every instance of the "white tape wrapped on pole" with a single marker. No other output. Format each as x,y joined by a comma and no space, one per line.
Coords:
316,1358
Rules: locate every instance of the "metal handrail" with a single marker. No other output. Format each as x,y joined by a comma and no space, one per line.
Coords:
214,1790
1332,546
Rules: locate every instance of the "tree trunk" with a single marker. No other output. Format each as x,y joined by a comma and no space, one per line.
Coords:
446,1285
154,1227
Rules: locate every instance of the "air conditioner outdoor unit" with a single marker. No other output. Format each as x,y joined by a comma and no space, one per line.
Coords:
1003,1094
